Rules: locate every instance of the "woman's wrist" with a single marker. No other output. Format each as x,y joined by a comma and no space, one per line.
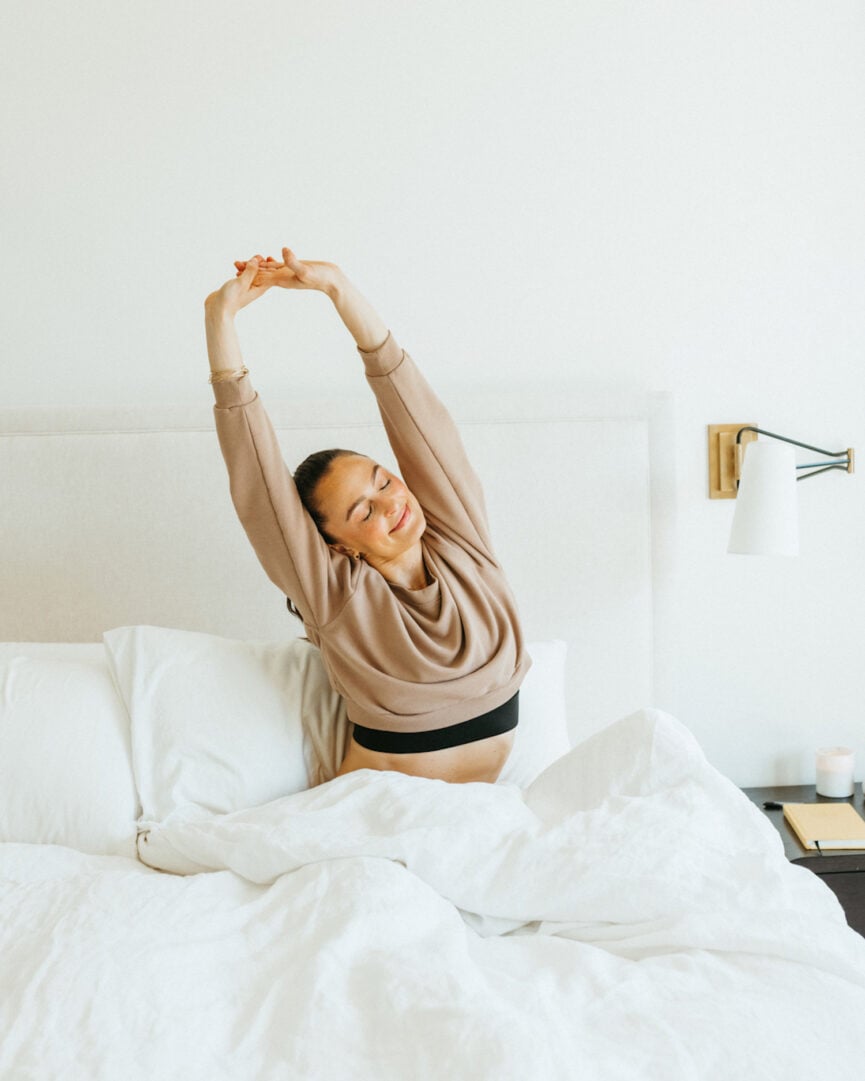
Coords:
223,345
337,285
215,311
360,318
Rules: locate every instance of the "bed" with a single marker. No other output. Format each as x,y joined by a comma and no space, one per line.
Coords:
187,891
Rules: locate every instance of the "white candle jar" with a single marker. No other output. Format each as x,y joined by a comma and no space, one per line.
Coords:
835,771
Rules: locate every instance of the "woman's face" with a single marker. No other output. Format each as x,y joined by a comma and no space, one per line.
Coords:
368,510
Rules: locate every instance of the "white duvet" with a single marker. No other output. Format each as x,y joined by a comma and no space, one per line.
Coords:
630,915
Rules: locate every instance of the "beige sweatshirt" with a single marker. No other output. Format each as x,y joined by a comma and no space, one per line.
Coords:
403,660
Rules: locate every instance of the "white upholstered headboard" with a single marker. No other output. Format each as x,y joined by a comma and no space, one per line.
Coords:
123,516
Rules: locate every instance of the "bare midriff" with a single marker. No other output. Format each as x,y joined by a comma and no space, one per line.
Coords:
481,760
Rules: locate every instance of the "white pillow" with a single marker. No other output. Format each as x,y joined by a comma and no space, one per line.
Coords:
219,722
65,763
225,724
542,734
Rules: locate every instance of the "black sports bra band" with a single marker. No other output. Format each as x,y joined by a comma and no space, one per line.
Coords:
501,719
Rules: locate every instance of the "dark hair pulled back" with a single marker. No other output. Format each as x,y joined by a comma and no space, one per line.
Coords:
306,478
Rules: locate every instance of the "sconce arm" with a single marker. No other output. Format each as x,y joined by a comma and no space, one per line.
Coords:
846,456
795,442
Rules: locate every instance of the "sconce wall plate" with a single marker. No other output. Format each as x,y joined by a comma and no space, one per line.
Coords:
723,472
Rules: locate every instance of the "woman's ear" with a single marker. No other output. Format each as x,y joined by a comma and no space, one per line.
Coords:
346,551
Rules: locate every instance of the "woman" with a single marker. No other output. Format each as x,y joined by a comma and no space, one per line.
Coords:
395,580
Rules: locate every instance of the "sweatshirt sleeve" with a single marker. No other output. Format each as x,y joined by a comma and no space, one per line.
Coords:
427,444
289,547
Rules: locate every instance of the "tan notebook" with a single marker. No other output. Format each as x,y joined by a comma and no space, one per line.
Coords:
826,825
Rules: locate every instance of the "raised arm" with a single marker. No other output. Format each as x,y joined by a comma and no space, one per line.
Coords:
286,540
220,308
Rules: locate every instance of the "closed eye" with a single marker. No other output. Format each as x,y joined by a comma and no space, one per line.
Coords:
368,514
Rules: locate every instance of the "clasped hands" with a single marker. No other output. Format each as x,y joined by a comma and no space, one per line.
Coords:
292,273
257,274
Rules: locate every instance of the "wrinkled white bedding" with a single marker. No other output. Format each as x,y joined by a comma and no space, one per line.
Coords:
630,915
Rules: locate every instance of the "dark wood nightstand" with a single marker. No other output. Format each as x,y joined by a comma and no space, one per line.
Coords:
843,872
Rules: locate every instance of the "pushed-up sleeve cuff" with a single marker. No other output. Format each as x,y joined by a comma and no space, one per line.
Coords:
383,359
228,393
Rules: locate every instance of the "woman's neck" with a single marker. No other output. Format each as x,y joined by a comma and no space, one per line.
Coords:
408,570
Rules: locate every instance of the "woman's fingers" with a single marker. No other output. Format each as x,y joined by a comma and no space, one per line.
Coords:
249,272
294,264
242,263
263,265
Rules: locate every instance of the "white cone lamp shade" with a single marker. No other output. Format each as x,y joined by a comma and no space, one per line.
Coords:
766,521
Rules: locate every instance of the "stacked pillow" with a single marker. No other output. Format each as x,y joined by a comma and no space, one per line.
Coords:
65,756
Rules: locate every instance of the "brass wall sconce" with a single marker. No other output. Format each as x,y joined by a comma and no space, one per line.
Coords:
762,477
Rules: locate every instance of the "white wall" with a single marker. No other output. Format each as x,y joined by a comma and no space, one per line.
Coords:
657,196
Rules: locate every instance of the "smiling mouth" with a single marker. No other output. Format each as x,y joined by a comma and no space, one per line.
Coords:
404,517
